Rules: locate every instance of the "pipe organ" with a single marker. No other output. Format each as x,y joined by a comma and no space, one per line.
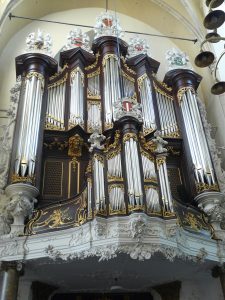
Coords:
114,134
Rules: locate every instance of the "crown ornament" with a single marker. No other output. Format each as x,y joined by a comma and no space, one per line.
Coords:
137,46
177,59
77,38
39,42
107,24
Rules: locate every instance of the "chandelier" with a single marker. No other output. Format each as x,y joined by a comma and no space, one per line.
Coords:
212,21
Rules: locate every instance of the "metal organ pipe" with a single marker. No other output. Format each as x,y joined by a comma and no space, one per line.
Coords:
56,106
29,130
164,185
152,200
147,105
94,115
111,86
99,184
166,115
114,166
133,173
76,100
116,198
201,159
148,167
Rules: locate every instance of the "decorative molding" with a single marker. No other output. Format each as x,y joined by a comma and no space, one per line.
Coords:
137,235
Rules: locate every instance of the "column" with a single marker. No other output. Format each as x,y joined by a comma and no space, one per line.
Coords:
10,280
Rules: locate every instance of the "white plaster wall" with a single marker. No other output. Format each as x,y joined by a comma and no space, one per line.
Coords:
201,289
16,45
216,104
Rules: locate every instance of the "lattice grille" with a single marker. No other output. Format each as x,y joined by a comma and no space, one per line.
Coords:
175,181
53,175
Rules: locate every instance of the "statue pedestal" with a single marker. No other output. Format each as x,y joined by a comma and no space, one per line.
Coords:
21,204
213,205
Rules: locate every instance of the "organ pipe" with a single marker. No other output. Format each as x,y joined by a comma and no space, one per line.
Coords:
167,115
152,199
114,166
99,183
112,90
56,106
135,193
77,98
29,128
116,198
145,88
94,115
203,168
164,185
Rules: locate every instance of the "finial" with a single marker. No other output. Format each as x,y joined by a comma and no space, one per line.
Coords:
39,42
137,46
77,38
177,59
107,24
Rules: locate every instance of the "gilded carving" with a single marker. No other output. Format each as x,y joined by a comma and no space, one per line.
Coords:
146,154
75,145
126,66
92,96
94,64
35,74
56,219
108,56
74,72
183,90
50,126
127,76
99,158
56,145
114,178
59,82
59,73
141,79
201,187
81,213
26,179
128,136
95,73
193,221
160,161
